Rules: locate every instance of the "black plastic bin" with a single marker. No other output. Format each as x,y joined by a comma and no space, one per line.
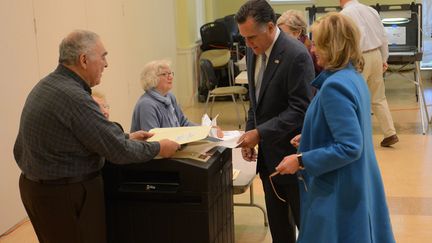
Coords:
171,200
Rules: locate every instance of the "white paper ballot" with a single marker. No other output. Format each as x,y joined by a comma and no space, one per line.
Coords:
181,135
228,135
206,121
229,143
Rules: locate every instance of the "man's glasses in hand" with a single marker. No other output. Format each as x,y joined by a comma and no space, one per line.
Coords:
274,189
299,176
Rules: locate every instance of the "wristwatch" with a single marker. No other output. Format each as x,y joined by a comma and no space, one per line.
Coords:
300,161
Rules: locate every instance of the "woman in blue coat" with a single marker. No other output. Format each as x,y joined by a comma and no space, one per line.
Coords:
342,194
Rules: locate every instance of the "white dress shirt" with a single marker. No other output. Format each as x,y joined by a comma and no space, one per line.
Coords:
371,28
267,52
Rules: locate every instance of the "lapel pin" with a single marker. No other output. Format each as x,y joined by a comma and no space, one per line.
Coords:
276,61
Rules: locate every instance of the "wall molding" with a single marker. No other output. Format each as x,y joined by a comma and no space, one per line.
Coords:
187,75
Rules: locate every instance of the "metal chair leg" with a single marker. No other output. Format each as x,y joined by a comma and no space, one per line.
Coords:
253,204
207,100
422,102
236,108
211,107
244,107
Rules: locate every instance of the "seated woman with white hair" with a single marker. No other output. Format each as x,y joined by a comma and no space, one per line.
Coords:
157,107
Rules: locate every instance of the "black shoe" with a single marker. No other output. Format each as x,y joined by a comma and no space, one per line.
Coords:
388,141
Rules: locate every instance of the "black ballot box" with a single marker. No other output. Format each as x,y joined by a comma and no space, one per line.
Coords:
171,200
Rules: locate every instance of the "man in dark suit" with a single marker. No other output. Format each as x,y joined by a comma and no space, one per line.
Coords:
279,72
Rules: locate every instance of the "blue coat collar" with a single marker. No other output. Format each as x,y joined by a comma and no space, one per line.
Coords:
321,78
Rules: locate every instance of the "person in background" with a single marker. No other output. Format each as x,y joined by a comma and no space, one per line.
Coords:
342,193
374,45
104,107
61,144
293,23
280,70
158,107
102,102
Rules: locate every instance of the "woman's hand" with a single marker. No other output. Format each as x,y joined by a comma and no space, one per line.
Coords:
289,165
296,141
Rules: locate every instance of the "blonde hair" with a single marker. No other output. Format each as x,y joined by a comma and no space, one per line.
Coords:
149,75
98,94
337,39
295,21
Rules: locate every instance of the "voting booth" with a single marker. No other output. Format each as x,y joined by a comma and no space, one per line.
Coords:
403,24
171,200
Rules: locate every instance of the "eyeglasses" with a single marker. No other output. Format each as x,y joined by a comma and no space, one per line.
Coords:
274,189
299,176
166,74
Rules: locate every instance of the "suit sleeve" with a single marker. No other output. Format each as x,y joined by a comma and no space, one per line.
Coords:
296,86
250,123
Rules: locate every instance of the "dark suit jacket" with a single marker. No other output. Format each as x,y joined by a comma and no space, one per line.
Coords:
284,97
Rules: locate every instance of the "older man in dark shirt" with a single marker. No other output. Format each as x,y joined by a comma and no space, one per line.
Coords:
62,142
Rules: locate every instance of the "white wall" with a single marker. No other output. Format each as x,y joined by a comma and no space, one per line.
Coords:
133,31
18,70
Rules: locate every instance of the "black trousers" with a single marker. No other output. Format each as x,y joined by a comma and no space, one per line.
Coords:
70,213
283,216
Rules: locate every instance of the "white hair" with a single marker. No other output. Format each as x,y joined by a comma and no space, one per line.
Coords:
149,75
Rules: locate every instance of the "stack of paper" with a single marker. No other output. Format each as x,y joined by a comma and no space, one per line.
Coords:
195,141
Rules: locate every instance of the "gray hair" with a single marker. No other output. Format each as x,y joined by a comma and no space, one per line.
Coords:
76,43
295,21
149,75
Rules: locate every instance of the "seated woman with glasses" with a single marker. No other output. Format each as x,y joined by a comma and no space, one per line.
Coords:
293,23
341,192
158,107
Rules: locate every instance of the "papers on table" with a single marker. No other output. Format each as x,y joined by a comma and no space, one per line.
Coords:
196,144
206,121
181,135
228,135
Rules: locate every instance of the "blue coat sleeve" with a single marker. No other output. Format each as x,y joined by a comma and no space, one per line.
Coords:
340,107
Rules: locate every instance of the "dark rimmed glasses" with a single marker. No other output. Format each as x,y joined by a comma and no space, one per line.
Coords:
166,74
